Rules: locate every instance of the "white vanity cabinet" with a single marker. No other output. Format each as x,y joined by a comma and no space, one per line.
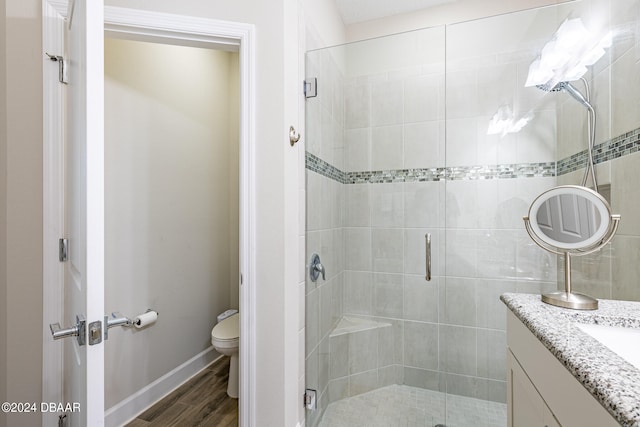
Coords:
526,407
541,391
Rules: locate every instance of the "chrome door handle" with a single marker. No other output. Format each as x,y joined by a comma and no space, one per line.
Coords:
78,330
428,256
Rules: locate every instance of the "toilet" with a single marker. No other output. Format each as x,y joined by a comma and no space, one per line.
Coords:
225,338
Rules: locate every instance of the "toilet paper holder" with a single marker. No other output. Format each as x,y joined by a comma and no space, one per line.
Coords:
117,319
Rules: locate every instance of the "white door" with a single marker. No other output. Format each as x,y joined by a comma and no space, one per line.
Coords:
84,212
568,218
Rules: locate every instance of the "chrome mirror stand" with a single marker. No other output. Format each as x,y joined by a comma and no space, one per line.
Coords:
567,298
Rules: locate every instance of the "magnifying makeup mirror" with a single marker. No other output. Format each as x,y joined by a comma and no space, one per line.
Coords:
571,220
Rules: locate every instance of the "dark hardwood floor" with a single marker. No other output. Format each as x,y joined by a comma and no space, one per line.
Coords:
202,401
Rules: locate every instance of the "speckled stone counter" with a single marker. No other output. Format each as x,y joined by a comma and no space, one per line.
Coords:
609,378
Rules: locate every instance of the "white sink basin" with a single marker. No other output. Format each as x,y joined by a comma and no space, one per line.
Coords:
623,341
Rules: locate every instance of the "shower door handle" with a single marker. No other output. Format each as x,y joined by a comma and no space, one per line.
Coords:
427,238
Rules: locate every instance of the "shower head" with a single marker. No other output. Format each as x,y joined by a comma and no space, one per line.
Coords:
548,88
575,93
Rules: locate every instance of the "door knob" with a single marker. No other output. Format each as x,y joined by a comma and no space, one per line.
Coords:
294,136
78,330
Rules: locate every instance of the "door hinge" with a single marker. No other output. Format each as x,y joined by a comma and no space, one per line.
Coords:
310,399
63,249
62,420
311,87
62,69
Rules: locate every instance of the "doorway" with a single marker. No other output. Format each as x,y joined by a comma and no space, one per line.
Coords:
176,30
171,210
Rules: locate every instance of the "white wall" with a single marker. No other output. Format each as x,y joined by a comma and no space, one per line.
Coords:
323,24
233,104
21,170
448,13
24,197
3,210
170,185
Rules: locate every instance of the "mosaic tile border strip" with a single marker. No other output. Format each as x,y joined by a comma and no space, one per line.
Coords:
619,146
459,173
400,175
505,171
316,164
456,173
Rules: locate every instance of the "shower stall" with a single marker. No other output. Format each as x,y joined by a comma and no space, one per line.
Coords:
433,134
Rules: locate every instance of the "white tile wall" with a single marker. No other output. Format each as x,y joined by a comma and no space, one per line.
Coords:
387,205
423,98
388,295
421,299
387,250
423,142
496,87
357,102
386,103
422,204
460,301
420,345
357,149
358,205
461,145
537,141
387,147
458,349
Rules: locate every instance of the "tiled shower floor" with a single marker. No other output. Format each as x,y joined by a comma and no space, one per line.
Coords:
401,405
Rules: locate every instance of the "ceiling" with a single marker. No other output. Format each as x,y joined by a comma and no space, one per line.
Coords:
353,11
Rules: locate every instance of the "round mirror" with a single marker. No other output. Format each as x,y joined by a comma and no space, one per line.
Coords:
570,217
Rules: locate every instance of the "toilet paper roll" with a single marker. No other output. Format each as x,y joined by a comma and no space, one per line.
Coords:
145,319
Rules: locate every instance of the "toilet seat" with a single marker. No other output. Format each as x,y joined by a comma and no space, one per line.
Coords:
227,332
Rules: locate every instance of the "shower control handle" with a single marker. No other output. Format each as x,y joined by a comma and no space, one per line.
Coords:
315,268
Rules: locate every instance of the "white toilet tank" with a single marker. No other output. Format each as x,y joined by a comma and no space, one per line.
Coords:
226,314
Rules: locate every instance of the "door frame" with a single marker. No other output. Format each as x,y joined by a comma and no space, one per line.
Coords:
142,25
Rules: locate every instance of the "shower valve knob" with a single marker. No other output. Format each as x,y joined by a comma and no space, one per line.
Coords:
320,268
315,268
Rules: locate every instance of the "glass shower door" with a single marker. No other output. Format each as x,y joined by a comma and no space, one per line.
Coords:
375,190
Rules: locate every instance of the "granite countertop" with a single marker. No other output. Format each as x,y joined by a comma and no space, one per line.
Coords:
613,381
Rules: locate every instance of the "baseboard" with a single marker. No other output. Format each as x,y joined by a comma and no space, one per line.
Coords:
126,410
